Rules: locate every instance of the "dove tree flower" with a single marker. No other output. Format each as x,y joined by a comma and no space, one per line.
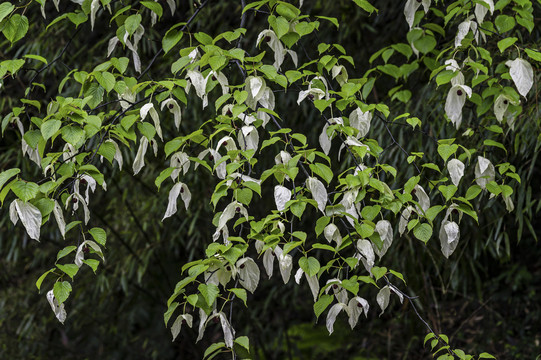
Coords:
456,98
256,162
484,172
521,72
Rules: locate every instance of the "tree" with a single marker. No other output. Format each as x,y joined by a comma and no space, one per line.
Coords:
289,158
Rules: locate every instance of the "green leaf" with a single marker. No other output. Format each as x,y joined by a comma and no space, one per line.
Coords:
322,303
72,134
505,43
25,190
93,263
321,223
241,294
486,356
209,292
6,175
15,27
42,277
154,7
5,9
447,191
169,312
446,150
473,191
108,151
428,337
65,251
70,269
218,62
379,272
36,57
370,212
105,79
309,265
61,291
398,275
243,341
323,171
49,128
504,23
366,6
534,55
99,235
203,38
132,22
425,44
423,232
171,38
77,18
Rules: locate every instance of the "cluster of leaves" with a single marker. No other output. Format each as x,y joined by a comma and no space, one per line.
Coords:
357,201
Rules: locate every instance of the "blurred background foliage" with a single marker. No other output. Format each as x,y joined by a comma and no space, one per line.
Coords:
486,297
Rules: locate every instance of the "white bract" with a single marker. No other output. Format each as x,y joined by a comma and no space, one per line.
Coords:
58,309
422,198
313,282
285,263
361,121
30,217
118,154
139,161
339,292
484,172
80,255
449,236
522,74
404,219
456,170
463,30
319,193
368,258
181,162
229,212
501,104
173,107
339,73
455,101
268,261
332,314
449,231
248,138
356,307
59,216
177,189
324,138
75,205
315,91
248,273
332,233
411,7
275,44
94,5
281,196
177,325
385,231
255,87
229,332
200,85
383,298
482,9
220,78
